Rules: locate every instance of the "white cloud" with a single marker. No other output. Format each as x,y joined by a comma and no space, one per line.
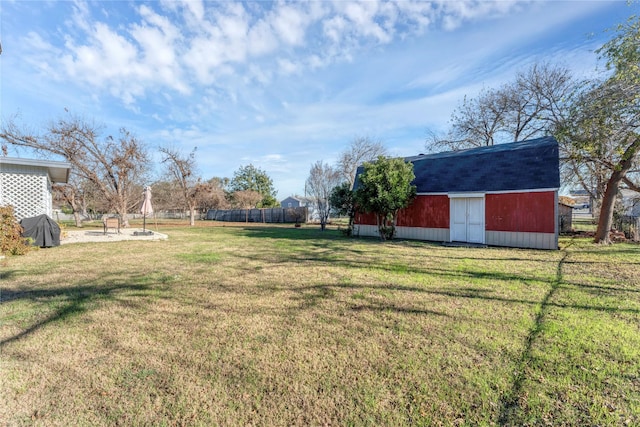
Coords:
334,28
290,24
288,67
165,47
196,7
455,13
80,16
261,39
363,15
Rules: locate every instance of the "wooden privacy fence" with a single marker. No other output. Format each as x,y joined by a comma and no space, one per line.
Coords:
267,215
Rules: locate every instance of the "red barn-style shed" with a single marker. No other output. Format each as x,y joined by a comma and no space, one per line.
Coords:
502,195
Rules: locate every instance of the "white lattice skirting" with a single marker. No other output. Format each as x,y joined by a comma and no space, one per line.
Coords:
28,193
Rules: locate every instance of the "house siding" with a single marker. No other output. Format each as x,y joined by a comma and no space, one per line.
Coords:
27,189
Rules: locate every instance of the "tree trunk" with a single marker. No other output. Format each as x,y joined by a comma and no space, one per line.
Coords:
380,223
76,213
77,218
192,216
608,201
122,211
606,210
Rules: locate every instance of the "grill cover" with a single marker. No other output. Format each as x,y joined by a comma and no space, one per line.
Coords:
42,229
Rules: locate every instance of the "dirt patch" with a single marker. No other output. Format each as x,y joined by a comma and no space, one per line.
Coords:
95,235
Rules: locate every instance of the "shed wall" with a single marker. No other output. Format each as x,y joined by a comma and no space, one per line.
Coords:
425,212
521,212
521,220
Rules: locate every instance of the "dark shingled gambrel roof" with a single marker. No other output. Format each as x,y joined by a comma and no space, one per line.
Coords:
525,165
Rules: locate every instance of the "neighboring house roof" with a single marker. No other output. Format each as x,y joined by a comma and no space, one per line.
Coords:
579,192
58,171
299,199
525,165
291,198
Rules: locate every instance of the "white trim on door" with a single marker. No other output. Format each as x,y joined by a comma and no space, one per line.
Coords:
467,218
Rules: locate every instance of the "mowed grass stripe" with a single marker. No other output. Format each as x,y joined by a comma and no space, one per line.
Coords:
257,325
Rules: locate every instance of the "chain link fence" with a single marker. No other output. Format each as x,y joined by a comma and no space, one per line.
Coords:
629,225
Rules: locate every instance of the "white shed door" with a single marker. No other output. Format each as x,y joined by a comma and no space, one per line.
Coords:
467,219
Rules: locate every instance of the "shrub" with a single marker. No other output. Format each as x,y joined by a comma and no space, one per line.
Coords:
11,240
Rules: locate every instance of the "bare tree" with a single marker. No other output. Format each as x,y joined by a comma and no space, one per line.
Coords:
362,149
182,171
164,192
72,195
321,181
530,106
539,101
113,165
477,121
215,195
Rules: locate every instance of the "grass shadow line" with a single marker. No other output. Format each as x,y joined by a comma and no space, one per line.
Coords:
78,299
510,400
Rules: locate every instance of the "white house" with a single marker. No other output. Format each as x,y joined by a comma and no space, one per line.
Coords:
292,202
300,202
26,184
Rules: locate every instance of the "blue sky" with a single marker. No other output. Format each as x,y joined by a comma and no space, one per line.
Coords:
280,85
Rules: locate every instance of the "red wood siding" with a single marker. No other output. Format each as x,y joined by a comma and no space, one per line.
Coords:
526,212
425,211
365,218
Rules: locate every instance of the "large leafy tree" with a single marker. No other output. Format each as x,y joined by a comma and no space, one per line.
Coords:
383,188
115,166
321,181
251,178
361,149
603,127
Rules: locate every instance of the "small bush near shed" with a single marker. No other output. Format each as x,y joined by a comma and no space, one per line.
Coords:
11,240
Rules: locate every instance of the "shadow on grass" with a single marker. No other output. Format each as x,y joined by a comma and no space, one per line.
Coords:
614,250
75,301
327,237
510,400
314,294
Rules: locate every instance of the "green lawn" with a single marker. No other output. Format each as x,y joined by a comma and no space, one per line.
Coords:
281,326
